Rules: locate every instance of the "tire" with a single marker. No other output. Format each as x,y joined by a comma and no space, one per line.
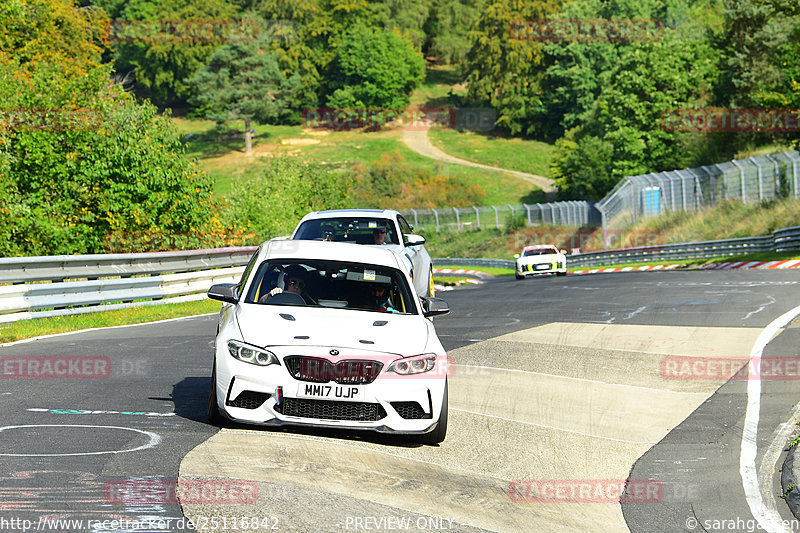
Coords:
518,276
438,434
215,417
561,273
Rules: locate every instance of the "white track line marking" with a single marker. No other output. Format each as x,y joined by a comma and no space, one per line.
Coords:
155,439
768,517
63,333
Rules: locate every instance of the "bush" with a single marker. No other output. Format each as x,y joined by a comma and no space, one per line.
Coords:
271,203
391,183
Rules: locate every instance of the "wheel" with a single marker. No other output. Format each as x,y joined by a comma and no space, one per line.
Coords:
519,276
437,435
561,273
215,418
431,290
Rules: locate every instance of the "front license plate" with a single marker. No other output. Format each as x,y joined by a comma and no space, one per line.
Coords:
347,393
542,267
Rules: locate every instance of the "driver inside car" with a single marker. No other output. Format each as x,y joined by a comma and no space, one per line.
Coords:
293,280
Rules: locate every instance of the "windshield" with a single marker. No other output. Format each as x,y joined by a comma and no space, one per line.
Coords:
359,230
331,284
539,251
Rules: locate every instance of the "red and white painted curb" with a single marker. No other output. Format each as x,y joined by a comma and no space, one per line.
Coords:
625,269
452,271
460,271
788,263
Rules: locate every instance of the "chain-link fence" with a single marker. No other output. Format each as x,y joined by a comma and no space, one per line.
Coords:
574,213
755,179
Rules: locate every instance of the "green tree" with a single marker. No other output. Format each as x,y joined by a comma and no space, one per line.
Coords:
242,81
79,158
448,29
159,63
757,34
582,169
649,80
373,68
406,17
502,71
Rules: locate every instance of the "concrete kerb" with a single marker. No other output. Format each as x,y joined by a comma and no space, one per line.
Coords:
790,473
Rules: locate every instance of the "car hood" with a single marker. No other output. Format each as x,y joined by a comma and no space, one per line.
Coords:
543,258
272,325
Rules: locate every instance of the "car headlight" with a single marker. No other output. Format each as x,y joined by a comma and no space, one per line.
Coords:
413,365
251,354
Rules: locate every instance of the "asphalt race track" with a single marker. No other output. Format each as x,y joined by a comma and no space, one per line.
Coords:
563,389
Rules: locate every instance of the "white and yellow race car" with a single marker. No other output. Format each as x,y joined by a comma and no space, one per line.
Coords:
540,259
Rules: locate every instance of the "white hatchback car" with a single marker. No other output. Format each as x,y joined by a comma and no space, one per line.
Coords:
364,226
540,259
329,335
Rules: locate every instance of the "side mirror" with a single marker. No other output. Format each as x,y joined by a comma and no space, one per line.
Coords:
516,256
411,239
563,252
434,306
224,292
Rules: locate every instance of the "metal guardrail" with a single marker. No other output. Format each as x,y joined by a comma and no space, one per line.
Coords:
462,261
112,281
63,267
782,240
166,277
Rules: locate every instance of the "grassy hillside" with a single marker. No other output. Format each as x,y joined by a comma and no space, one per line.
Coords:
220,152
220,148
504,152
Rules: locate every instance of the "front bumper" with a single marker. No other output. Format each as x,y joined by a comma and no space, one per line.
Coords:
535,269
271,396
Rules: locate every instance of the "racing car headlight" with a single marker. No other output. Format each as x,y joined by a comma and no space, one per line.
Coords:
413,365
251,354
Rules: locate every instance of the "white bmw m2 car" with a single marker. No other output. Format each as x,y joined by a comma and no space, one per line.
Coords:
331,335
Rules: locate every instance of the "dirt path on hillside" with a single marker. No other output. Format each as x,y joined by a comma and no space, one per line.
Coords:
417,140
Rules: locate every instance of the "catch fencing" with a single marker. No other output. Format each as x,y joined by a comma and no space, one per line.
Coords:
570,213
755,179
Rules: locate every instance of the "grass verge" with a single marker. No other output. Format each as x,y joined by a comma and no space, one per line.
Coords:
497,151
25,329
493,271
